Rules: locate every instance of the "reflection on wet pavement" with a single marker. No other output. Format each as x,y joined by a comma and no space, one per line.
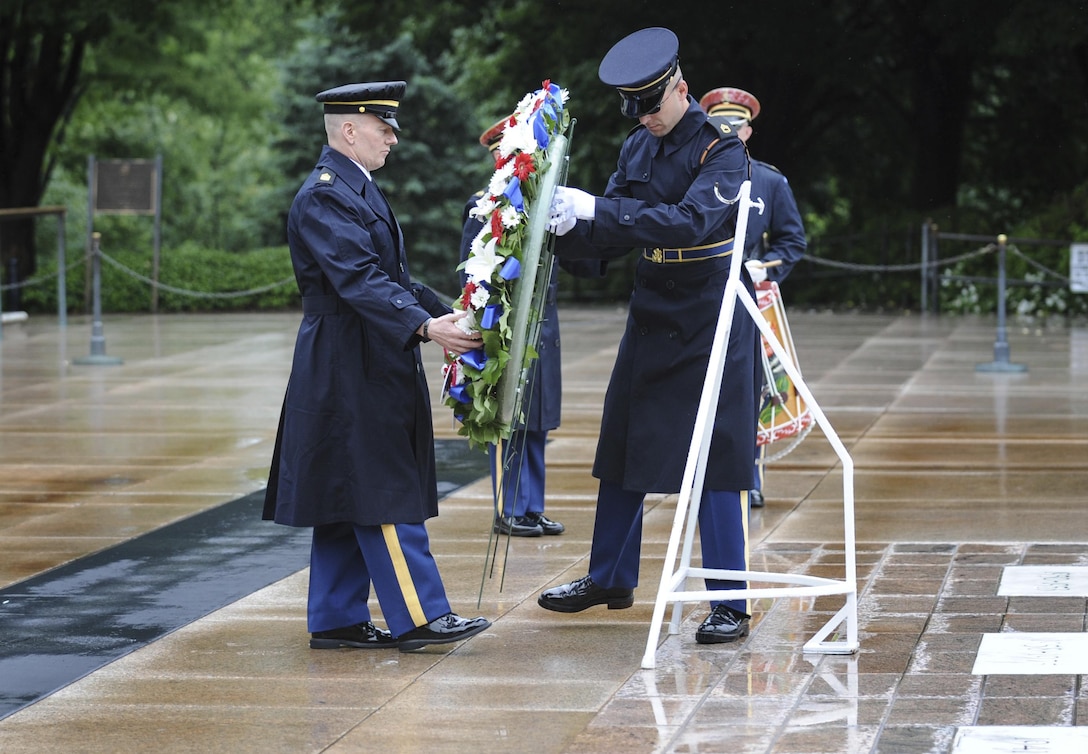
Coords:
962,479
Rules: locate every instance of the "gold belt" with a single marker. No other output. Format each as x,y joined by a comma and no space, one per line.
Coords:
690,254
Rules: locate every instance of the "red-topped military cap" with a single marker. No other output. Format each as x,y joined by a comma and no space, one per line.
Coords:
378,98
735,104
493,135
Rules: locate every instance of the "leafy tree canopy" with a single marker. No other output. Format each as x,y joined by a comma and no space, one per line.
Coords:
881,113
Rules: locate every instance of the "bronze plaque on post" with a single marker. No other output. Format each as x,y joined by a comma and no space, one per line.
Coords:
125,187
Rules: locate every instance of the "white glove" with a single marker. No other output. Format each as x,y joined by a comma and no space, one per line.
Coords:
563,227
756,270
574,202
561,214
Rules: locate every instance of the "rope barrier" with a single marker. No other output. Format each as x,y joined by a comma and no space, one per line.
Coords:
1041,267
44,278
913,267
196,294
834,263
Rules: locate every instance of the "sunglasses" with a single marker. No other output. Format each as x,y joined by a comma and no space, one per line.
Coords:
639,105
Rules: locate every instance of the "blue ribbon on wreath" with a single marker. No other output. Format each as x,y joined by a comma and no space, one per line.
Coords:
511,269
476,358
491,315
513,193
540,130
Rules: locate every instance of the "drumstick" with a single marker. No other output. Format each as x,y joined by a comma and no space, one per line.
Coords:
765,265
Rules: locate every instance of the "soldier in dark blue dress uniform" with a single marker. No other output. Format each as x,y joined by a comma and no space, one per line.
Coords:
354,454
673,198
775,233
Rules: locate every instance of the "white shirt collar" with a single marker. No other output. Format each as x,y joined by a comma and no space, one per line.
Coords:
365,171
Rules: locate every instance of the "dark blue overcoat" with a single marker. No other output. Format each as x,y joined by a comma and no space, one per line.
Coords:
671,192
355,441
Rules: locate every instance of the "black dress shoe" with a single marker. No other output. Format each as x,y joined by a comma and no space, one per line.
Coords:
450,627
724,624
546,524
578,595
755,499
518,526
361,636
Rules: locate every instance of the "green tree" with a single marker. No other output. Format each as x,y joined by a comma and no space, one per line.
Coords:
437,164
44,49
881,113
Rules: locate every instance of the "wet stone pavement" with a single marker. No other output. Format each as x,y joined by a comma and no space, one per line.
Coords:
971,551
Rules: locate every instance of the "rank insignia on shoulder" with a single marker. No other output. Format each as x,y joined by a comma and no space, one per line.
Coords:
326,177
721,124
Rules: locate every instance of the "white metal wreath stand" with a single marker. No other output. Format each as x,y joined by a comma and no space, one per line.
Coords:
673,582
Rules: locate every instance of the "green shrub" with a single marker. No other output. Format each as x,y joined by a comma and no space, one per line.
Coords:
191,279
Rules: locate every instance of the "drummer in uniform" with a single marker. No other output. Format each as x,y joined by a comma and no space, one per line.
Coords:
673,198
775,233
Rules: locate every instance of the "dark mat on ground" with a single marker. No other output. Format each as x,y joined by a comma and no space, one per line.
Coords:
60,625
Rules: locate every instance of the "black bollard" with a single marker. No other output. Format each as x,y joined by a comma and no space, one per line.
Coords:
1001,361
98,337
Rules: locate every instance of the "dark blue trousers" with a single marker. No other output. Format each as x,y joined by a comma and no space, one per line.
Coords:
517,472
617,538
346,558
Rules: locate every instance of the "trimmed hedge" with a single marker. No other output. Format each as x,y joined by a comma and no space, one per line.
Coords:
191,279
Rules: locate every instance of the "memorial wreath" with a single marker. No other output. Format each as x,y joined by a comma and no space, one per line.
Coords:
483,386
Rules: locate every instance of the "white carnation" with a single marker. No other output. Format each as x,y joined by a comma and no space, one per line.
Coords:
519,138
485,205
467,325
511,218
500,179
479,297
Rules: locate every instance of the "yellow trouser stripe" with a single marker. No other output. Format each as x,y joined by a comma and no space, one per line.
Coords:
404,576
744,523
500,502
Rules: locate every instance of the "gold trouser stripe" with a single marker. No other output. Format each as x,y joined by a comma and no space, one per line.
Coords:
500,503
744,523
404,576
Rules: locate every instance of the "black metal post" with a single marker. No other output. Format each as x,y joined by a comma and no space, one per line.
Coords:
98,337
1001,361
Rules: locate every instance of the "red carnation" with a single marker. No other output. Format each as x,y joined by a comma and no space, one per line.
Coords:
466,297
524,166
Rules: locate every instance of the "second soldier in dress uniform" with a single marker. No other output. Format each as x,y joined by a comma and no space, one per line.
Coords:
673,198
